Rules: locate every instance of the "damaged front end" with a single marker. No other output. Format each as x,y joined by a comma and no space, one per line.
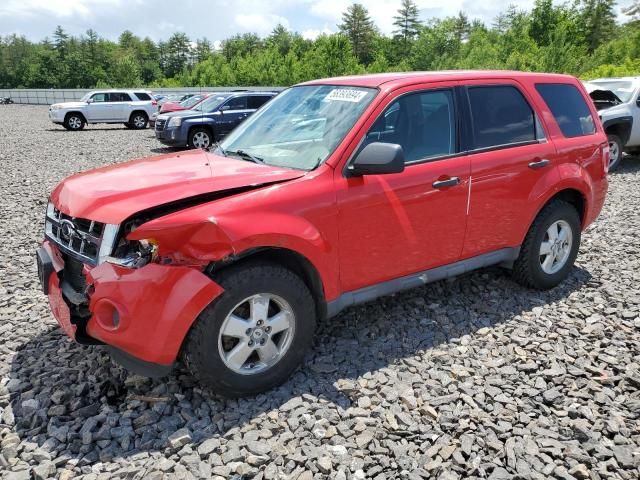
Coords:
123,294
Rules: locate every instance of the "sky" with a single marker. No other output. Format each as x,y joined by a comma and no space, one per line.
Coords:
219,19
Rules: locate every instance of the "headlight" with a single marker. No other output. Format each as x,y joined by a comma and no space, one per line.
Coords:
55,107
175,121
135,253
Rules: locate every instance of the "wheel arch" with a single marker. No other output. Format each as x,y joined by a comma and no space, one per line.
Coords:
138,110
204,126
619,126
77,112
290,259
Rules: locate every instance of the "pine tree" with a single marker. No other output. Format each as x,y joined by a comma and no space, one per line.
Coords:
360,30
598,21
407,22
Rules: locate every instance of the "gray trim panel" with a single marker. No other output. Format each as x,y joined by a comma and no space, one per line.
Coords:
372,292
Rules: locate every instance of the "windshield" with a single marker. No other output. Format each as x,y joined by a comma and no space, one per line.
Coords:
301,127
86,97
623,89
211,103
190,102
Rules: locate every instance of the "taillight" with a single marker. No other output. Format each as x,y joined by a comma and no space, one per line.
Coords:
605,157
154,102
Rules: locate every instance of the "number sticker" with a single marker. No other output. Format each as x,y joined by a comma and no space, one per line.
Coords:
345,95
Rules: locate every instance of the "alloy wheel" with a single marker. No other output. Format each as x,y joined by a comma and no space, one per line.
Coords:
201,140
614,153
555,248
256,334
75,123
139,121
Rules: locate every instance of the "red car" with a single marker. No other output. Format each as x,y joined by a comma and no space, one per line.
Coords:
185,104
334,193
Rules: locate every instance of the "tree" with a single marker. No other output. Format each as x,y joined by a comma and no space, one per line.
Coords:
598,22
407,24
359,29
178,53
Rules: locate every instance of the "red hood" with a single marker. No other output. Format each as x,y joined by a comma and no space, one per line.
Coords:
112,194
171,107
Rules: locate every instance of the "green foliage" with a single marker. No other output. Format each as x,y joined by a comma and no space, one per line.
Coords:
580,38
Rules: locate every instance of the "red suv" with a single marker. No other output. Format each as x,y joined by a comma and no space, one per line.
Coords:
334,193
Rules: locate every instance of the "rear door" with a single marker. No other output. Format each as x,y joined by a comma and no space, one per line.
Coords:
121,105
510,154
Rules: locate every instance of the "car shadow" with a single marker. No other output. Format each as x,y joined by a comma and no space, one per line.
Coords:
72,399
97,129
630,164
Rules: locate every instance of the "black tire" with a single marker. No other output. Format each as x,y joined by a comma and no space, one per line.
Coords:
200,138
201,352
74,122
128,125
527,269
615,145
138,121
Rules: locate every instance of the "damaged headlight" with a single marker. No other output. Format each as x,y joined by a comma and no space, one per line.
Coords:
135,254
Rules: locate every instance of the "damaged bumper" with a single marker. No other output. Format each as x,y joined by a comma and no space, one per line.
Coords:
143,315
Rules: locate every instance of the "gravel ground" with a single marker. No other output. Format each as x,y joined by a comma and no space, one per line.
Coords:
470,378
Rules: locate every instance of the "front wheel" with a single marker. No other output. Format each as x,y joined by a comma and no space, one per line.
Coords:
74,122
200,138
550,247
254,335
615,151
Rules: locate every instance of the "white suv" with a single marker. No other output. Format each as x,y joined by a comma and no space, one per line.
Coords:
131,107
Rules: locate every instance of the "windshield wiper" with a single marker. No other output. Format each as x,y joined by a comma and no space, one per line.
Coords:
244,155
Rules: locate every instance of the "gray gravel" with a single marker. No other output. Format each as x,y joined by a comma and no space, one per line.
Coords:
470,378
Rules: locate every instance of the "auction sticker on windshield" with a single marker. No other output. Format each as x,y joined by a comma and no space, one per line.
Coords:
346,95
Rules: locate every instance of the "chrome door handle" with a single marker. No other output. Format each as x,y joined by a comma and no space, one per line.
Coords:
449,182
539,164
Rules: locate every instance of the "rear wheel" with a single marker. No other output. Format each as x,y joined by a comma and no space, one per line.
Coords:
200,138
615,151
254,335
74,121
550,248
138,121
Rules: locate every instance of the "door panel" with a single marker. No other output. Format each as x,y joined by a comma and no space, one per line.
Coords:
101,109
397,224
509,156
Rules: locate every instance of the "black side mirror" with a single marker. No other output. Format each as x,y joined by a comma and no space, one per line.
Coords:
378,158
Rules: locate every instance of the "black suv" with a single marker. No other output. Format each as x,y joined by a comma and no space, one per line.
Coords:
210,120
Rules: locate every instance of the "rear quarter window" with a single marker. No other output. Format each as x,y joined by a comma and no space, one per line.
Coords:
142,96
568,107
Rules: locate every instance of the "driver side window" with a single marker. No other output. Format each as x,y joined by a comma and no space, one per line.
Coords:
99,97
422,123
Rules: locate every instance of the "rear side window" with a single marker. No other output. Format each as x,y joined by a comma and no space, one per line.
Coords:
257,101
142,96
119,97
501,116
568,107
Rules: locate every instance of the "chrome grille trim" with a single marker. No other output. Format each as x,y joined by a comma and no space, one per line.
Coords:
90,244
160,124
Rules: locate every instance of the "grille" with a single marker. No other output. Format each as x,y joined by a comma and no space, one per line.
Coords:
73,274
77,237
160,124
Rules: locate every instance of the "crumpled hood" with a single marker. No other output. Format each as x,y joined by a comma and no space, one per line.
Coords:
114,193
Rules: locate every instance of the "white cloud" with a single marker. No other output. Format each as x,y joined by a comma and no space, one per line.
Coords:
313,33
260,23
55,8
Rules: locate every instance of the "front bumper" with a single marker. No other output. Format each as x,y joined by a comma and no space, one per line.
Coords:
56,116
143,314
172,137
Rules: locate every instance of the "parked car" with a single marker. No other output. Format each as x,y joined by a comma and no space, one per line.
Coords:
6,101
175,97
334,193
131,107
187,104
618,104
209,121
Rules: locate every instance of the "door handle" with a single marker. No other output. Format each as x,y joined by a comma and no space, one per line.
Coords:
539,164
449,182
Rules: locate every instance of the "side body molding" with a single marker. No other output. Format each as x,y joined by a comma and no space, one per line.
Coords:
420,278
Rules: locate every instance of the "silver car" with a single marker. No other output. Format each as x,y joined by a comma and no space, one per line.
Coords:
130,107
